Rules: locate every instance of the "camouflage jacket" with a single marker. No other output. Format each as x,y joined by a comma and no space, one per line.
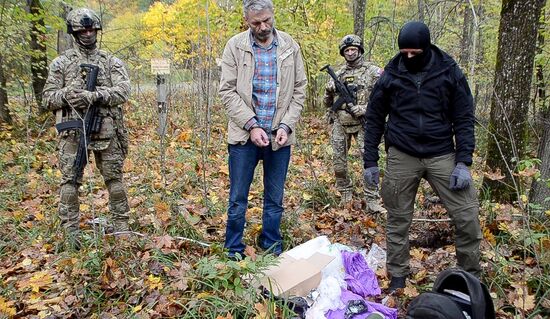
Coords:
65,73
363,77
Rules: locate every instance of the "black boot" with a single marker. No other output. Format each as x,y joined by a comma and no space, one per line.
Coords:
396,283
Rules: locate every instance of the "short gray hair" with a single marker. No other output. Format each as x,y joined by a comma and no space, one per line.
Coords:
257,5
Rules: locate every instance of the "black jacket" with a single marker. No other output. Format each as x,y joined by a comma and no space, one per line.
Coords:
424,116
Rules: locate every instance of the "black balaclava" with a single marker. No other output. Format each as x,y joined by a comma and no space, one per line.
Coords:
415,35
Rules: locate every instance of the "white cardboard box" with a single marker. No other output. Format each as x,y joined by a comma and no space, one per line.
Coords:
295,276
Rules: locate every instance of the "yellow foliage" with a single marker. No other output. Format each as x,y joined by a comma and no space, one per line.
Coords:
489,236
182,29
154,282
7,308
203,295
41,279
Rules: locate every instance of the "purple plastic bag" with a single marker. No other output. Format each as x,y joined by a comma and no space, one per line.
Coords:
359,277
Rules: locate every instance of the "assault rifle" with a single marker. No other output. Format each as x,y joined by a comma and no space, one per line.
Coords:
90,125
347,94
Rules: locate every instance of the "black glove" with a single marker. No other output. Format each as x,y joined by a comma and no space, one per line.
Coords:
372,176
460,178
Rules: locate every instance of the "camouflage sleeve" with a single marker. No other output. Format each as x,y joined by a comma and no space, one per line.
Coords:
54,90
328,98
120,91
375,73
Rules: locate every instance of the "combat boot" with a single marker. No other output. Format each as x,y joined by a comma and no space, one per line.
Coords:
345,197
397,283
120,225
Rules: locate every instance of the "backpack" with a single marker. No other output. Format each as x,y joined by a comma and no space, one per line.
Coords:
456,294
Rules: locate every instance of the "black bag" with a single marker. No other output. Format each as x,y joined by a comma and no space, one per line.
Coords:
456,294
432,305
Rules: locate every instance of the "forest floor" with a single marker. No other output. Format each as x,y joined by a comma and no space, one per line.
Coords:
173,265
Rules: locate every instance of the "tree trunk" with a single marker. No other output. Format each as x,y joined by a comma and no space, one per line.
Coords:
510,101
478,88
540,189
64,40
5,116
39,62
421,10
466,41
359,7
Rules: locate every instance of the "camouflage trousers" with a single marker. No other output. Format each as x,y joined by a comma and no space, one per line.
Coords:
399,187
341,139
110,161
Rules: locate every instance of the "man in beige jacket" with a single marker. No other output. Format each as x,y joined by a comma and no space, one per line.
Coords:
263,88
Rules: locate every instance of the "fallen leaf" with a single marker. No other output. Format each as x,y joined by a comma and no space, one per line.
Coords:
154,282
525,303
494,176
7,308
250,252
410,291
164,241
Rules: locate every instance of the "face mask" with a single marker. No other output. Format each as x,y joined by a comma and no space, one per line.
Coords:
87,40
418,62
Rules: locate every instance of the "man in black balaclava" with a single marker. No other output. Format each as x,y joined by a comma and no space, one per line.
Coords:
414,44
429,133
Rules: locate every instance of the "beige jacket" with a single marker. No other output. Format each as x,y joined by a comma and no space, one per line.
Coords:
236,86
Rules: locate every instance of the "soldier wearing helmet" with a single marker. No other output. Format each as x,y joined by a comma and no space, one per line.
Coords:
360,75
83,24
65,95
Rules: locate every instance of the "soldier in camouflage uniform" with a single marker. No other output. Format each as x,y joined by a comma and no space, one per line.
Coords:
64,95
362,75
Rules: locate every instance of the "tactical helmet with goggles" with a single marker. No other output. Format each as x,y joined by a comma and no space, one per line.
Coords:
351,40
81,19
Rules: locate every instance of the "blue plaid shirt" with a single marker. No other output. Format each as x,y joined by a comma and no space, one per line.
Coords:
264,84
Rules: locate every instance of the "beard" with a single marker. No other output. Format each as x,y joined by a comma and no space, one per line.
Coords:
263,35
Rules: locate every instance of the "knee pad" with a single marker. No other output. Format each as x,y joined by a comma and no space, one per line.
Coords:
116,190
69,194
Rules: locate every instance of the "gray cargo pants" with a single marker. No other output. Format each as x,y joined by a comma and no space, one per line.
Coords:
399,187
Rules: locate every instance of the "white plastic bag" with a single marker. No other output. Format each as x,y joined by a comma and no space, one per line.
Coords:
376,258
327,298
